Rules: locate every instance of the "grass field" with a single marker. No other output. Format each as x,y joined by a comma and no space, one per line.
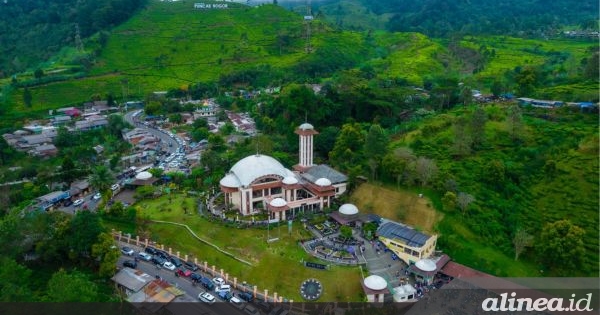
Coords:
276,266
399,205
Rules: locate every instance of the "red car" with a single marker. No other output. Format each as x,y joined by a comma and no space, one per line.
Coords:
184,272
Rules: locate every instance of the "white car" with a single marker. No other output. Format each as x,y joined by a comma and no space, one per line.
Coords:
218,281
239,304
144,256
206,297
77,202
127,251
97,196
169,265
114,187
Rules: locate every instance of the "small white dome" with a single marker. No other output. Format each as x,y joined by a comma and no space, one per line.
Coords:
348,209
323,182
278,202
306,126
143,176
375,282
426,265
290,180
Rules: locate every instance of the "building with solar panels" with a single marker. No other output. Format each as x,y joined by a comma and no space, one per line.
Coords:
407,243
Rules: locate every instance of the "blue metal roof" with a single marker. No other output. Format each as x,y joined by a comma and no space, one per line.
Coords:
403,233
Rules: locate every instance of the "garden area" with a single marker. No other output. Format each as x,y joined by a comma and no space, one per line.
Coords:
269,260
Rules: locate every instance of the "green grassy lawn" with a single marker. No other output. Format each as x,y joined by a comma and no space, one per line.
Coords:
276,266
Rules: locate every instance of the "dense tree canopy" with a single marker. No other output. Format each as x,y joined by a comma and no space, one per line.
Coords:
33,30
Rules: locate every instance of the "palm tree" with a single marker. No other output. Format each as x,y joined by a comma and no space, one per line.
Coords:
101,178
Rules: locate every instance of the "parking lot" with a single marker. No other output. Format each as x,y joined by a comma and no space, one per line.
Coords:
194,282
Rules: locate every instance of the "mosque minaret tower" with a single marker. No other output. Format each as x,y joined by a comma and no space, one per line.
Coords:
306,132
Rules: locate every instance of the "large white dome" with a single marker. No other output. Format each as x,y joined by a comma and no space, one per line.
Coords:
323,182
143,176
252,167
426,265
375,282
278,202
230,180
348,209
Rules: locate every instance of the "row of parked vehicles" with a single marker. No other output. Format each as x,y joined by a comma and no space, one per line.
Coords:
190,270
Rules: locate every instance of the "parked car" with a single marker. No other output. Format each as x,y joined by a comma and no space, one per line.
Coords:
169,265
130,264
223,288
207,283
251,310
246,296
151,250
265,306
191,266
144,256
277,310
175,261
206,297
218,281
127,251
225,295
239,304
97,196
114,187
195,277
184,272
164,255
67,202
158,260
78,202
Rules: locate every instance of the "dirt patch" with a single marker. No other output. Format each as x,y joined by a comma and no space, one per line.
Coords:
397,205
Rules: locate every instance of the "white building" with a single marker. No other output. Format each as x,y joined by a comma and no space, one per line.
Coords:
260,183
375,288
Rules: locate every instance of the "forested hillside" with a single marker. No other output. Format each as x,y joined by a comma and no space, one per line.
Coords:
504,172
449,17
31,31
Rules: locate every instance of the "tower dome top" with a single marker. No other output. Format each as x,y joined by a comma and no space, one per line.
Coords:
306,126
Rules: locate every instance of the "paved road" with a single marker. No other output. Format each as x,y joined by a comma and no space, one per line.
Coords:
170,144
88,204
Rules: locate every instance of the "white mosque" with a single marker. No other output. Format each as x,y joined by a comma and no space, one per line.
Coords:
259,182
